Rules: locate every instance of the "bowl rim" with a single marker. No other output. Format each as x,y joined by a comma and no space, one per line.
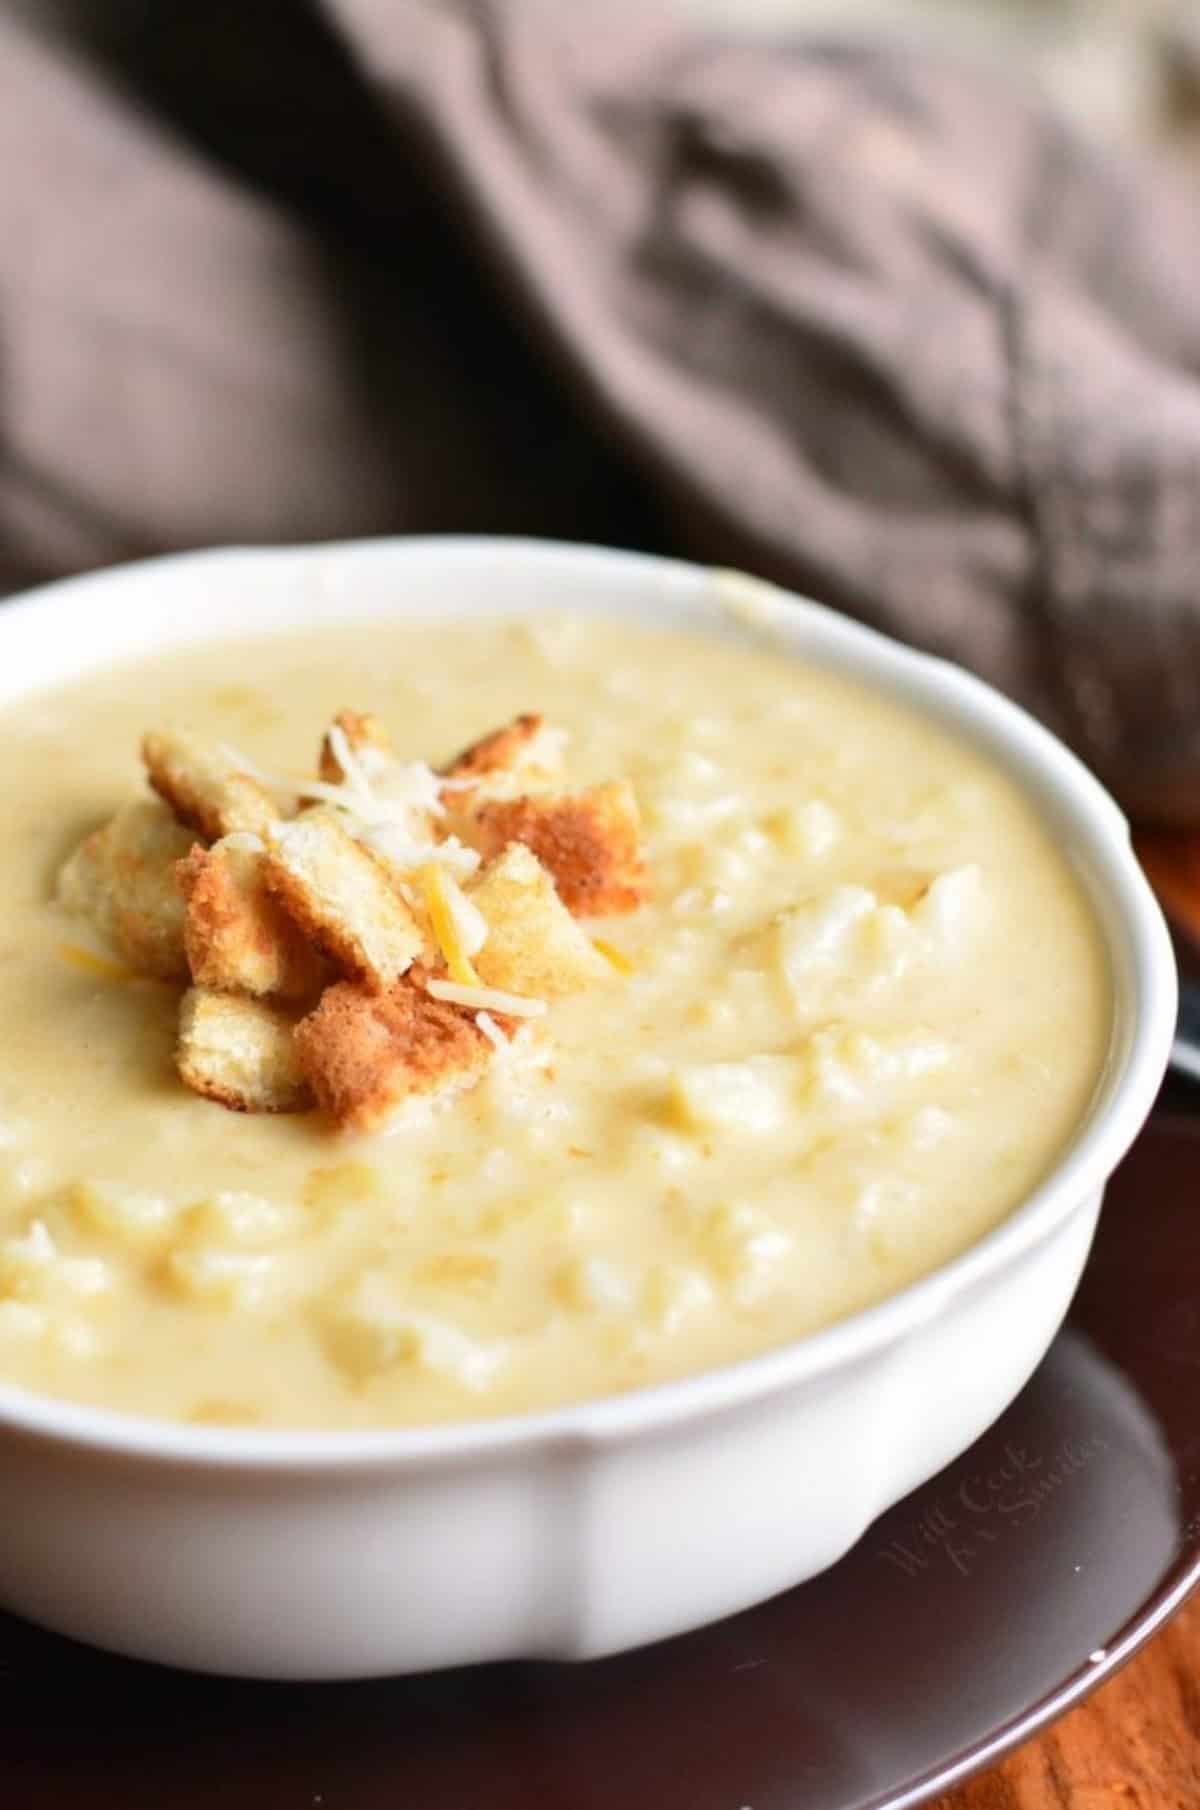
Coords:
799,626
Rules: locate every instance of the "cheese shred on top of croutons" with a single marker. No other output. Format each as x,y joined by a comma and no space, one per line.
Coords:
460,927
486,999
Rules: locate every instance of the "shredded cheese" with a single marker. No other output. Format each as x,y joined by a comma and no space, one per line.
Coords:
395,805
396,846
470,925
272,781
347,760
618,959
388,816
486,999
403,787
436,884
99,967
491,1030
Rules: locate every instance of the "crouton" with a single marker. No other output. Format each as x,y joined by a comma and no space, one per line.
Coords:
534,946
239,1052
339,894
144,844
122,878
365,735
367,1055
204,787
84,888
590,841
527,751
237,937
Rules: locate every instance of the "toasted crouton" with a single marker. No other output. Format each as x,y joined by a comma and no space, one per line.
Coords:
365,735
590,841
84,888
237,937
367,1055
534,946
122,878
525,752
144,844
339,894
204,786
239,1052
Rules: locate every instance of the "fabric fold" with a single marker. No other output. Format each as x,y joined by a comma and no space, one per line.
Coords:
856,318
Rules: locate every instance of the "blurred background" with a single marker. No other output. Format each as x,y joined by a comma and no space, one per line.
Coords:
894,301
1126,70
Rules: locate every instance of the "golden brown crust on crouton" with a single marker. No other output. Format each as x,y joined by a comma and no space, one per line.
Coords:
204,786
144,844
362,731
237,937
340,895
590,842
366,1055
240,1053
122,878
526,753
499,751
534,946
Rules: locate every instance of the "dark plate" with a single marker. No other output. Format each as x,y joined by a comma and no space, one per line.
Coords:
979,1608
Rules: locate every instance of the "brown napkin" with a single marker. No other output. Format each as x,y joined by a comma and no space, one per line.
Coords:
859,320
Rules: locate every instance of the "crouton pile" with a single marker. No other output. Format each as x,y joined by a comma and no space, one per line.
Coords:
372,937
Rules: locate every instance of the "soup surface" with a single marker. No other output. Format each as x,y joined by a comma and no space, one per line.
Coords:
863,1014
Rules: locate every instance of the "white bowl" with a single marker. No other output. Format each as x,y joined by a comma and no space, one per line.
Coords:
595,1527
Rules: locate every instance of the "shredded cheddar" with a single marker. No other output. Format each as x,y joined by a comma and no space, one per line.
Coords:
616,957
441,915
99,967
491,1030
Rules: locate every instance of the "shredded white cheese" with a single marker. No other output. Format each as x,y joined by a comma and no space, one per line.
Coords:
395,844
347,760
388,812
470,925
491,1030
402,792
252,770
485,999
413,784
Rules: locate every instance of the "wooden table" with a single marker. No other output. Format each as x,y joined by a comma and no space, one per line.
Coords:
1135,1745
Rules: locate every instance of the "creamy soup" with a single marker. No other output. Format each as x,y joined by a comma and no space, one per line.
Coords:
863,1014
